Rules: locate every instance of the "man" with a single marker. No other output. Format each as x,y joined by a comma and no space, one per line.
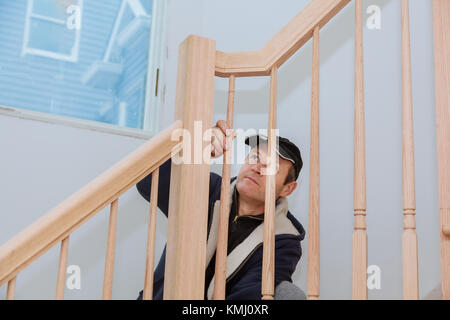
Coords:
245,231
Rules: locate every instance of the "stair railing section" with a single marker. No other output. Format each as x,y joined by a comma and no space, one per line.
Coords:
58,224
188,206
265,62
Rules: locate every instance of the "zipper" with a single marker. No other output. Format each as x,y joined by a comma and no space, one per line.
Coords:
243,263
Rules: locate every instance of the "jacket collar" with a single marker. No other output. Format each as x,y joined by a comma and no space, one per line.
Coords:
283,225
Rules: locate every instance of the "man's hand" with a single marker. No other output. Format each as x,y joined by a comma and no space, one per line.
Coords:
218,138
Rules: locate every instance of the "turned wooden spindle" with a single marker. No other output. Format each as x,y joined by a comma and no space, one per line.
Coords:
151,235
61,282
109,261
409,239
441,22
314,186
10,291
222,239
268,264
359,238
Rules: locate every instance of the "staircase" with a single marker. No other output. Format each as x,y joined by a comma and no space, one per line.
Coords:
199,62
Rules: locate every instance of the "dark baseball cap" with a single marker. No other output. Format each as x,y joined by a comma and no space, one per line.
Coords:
285,149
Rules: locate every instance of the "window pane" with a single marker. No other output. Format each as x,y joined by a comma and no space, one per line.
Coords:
106,81
52,8
61,40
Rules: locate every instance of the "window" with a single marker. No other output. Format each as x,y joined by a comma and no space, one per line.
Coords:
85,59
60,20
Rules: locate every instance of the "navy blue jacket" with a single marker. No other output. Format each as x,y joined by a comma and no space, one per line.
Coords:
246,282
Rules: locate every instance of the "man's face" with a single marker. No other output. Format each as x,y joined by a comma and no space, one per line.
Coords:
251,180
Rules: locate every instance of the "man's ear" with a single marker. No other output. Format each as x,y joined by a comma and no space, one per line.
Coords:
288,188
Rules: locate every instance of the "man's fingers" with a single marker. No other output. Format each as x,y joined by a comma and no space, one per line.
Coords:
217,145
226,129
220,132
219,135
223,125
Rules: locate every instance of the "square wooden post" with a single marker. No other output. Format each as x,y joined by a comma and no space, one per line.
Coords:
189,188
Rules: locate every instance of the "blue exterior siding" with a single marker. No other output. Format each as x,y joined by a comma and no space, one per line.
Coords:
50,85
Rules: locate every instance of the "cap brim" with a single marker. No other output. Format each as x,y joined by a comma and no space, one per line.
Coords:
265,139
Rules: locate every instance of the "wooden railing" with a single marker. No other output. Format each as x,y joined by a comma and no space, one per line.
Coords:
198,63
58,224
265,62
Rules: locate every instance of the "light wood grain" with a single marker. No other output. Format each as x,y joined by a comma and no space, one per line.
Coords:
110,252
184,276
409,238
314,180
359,239
222,239
61,281
268,263
282,46
10,291
151,235
441,21
61,221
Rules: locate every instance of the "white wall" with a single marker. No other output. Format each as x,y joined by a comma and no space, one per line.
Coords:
42,164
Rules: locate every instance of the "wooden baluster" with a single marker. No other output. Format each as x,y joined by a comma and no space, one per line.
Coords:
11,289
222,240
268,264
109,261
409,241
441,21
314,181
359,238
60,284
149,261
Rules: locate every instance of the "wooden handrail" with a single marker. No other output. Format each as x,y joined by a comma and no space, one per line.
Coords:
58,223
282,46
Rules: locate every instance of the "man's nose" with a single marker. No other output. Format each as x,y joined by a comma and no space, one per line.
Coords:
257,167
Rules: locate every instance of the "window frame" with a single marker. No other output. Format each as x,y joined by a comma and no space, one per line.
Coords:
154,99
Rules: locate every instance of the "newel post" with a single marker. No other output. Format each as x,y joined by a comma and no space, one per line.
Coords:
189,188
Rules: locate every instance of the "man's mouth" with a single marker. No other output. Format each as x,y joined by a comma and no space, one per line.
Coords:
253,180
